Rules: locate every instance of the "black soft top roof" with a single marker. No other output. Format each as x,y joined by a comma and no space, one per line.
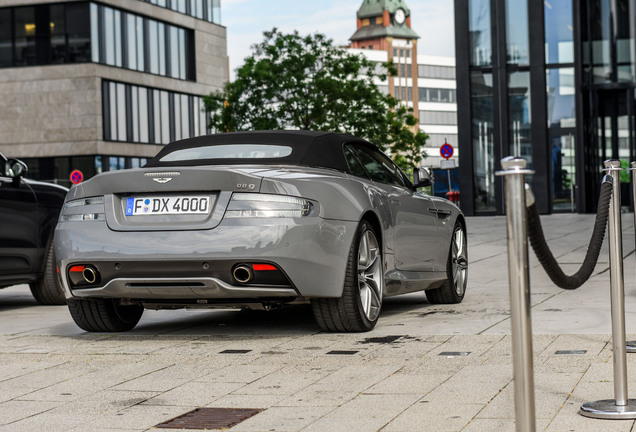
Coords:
309,148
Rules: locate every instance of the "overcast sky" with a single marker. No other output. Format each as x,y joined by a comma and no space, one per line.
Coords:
246,20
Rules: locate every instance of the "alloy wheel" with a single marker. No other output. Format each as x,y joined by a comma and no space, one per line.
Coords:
370,280
459,260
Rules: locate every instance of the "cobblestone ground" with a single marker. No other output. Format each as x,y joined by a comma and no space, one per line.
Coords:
424,368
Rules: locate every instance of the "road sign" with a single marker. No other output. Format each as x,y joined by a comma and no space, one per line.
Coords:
446,150
76,176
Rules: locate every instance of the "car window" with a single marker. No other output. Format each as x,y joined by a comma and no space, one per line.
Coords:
355,167
229,151
379,167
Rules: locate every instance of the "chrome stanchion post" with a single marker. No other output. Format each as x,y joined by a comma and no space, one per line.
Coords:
620,407
518,277
631,345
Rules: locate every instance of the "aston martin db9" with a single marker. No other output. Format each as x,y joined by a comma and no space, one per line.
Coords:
258,220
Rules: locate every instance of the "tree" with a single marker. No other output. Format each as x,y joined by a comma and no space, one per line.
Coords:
305,82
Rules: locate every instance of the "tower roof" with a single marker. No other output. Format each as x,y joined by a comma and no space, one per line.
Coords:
372,8
376,8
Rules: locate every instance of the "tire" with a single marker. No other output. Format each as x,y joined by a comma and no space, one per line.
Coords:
104,315
47,290
454,287
359,307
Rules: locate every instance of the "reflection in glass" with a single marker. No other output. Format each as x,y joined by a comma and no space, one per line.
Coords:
121,112
479,30
559,32
132,41
165,118
6,41
560,97
161,33
174,49
623,42
112,91
482,137
185,117
156,105
94,33
24,36
517,31
78,33
153,47
143,115
596,41
563,171
57,25
519,115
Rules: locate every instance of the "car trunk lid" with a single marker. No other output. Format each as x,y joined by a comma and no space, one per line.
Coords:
186,198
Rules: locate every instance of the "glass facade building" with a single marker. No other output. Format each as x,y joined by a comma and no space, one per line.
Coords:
551,81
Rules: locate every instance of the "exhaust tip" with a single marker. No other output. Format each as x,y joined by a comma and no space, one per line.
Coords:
90,274
243,274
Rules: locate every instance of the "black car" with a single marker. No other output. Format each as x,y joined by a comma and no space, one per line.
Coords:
29,211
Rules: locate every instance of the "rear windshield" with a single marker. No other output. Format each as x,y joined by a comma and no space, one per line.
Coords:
229,151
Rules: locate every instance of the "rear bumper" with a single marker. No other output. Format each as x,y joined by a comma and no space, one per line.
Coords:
181,289
166,265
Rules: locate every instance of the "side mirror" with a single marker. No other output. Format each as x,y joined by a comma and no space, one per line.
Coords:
15,169
421,177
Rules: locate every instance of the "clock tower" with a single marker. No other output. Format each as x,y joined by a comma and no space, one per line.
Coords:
385,25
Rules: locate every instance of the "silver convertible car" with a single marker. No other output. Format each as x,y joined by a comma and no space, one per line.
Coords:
258,220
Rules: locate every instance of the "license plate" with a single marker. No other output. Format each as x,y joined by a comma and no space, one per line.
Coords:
167,205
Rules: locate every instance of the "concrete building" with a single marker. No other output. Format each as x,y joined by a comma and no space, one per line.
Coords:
102,86
424,83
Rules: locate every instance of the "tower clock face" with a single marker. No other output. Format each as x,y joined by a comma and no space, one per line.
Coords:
400,16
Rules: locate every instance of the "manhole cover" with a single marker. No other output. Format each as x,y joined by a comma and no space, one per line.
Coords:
210,418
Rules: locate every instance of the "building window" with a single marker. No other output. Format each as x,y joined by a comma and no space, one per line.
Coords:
560,98
519,115
482,141
606,42
441,72
168,49
208,10
438,118
479,32
44,34
82,32
437,95
143,115
559,32
517,37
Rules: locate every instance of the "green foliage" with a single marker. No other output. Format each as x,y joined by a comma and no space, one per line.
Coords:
625,174
305,82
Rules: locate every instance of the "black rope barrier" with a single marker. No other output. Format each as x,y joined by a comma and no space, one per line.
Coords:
547,260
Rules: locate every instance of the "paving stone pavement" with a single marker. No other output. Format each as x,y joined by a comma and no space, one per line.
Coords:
423,368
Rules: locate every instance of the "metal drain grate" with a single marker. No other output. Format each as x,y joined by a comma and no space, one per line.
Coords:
342,352
454,353
570,352
210,418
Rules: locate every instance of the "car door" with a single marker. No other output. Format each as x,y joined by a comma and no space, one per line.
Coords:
414,218
19,230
